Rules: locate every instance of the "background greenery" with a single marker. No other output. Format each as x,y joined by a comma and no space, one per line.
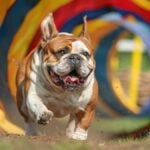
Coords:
125,61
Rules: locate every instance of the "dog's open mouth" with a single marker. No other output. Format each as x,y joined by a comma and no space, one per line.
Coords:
70,81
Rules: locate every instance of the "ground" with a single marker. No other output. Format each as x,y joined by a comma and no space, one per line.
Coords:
102,135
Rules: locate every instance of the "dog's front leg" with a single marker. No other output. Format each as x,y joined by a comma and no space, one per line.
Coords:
78,125
37,110
71,125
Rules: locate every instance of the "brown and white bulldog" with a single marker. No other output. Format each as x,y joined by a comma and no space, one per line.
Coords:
57,79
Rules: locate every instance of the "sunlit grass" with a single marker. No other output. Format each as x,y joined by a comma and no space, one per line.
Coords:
117,125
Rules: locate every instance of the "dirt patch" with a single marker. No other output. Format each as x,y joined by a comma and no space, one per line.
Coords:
53,137
13,142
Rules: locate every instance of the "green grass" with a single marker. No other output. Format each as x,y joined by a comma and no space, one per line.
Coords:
117,125
12,144
146,62
94,142
23,143
71,146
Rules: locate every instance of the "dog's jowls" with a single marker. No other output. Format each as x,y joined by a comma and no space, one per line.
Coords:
57,79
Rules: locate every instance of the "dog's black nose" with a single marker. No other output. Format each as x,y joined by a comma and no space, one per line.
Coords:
75,58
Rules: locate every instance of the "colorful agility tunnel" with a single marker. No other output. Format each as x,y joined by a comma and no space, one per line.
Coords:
108,21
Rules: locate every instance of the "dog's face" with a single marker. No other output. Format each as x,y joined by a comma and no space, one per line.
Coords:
67,59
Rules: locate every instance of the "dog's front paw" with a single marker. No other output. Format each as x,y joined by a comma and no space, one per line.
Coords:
79,134
45,117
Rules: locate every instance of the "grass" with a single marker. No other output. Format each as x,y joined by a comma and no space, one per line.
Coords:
117,125
23,143
72,146
98,138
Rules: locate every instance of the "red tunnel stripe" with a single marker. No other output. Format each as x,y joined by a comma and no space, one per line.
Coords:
66,12
128,5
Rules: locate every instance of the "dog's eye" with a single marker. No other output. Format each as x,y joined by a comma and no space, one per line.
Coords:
86,54
61,52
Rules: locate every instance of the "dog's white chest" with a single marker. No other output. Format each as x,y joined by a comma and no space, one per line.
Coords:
71,102
61,103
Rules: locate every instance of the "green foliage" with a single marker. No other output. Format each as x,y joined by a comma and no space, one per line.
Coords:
146,62
125,61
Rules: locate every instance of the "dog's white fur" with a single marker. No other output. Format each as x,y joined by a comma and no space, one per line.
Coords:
36,102
42,96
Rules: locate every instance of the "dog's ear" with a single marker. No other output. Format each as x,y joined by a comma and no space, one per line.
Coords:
84,32
48,28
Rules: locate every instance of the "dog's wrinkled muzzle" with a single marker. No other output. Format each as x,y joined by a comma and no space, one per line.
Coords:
75,59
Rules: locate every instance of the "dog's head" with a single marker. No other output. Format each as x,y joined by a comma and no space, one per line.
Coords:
67,59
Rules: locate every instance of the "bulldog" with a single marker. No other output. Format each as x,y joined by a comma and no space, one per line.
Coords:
57,79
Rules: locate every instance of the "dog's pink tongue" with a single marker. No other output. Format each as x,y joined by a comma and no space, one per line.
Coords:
71,79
